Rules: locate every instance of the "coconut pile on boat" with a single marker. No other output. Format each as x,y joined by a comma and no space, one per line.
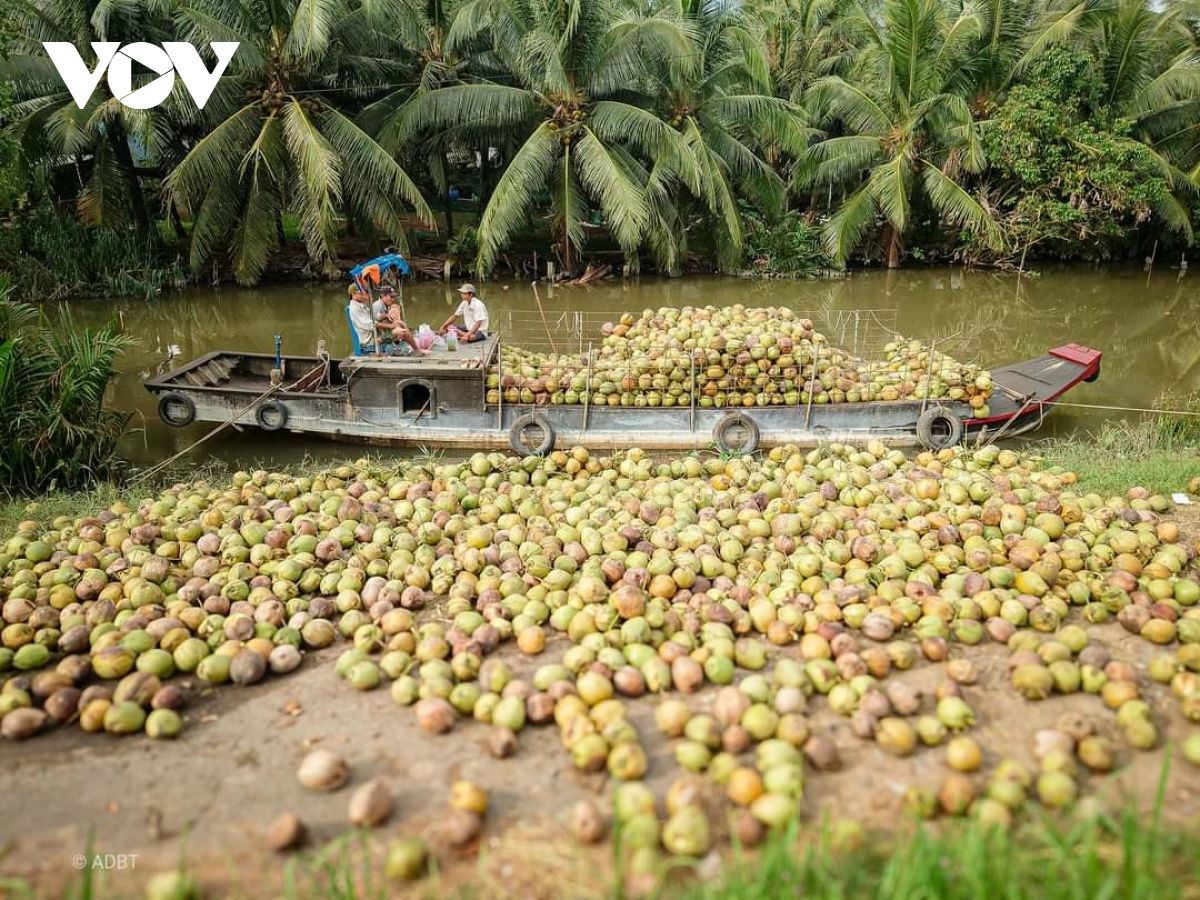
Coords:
786,584
733,357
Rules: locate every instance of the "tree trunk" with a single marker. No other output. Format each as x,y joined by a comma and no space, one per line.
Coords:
177,221
280,233
120,148
564,249
893,256
447,206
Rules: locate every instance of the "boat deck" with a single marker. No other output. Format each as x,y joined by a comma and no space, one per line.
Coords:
1023,388
472,357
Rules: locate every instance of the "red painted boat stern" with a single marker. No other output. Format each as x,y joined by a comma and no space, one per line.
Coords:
1080,355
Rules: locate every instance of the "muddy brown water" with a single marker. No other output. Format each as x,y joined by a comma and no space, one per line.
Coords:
1148,327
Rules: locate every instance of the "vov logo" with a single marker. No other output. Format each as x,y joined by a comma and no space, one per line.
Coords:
173,57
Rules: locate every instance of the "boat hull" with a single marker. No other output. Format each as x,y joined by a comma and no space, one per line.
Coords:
1021,401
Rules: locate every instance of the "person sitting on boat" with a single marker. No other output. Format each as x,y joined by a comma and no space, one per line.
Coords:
473,313
387,311
373,332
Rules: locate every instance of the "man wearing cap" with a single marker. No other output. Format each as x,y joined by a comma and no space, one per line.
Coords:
382,319
387,312
473,313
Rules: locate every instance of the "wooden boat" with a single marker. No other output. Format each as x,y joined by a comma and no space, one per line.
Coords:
440,400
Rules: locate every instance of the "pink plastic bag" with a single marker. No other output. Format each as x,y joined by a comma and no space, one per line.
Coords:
425,337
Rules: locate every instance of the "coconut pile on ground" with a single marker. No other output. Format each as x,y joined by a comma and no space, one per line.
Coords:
792,581
734,357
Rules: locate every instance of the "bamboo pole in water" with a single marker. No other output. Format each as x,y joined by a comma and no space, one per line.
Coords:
537,296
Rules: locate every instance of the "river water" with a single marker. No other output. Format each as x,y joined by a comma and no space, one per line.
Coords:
1148,328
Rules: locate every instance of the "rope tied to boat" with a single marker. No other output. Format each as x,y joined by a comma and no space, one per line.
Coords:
1134,409
161,466
303,383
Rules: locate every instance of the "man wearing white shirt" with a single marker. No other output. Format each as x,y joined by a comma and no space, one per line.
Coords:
473,313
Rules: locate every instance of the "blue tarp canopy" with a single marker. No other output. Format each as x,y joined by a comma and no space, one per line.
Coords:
372,271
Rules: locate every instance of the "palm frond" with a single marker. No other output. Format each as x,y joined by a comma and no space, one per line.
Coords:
845,229
838,99
954,203
528,172
318,188
605,179
369,172
312,28
891,187
614,122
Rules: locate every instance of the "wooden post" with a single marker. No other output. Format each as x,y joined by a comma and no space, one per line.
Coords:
692,392
929,377
549,336
500,382
550,271
812,384
587,390
446,268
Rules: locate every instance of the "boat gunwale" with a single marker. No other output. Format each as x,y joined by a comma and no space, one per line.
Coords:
166,382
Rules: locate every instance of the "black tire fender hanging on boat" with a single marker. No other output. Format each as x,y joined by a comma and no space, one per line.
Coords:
176,409
730,422
938,428
523,423
271,415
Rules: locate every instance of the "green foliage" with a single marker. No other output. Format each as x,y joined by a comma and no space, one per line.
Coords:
463,248
1066,177
899,132
58,434
789,244
51,256
910,128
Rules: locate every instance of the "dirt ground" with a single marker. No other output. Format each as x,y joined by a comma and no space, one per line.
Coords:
209,796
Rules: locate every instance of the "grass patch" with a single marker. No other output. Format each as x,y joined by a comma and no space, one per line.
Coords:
1129,856
1160,452
1160,471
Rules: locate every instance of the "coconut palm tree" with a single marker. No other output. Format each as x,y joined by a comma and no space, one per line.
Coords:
421,37
801,40
720,100
96,141
576,112
280,140
1151,71
900,116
